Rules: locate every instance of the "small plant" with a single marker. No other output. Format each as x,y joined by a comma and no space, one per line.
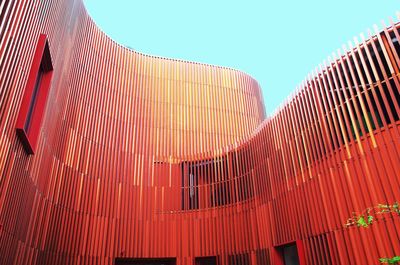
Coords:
393,260
365,219
395,208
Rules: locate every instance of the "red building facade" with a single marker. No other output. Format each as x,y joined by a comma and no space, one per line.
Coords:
124,158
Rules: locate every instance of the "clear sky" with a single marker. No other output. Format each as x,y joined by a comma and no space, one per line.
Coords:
276,42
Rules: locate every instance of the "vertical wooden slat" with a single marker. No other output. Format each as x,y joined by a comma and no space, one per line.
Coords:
122,131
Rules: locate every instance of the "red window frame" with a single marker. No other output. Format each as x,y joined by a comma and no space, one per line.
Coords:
35,96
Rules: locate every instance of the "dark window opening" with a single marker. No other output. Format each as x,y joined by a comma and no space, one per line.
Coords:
289,254
390,100
358,115
361,67
358,123
206,261
353,70
373,115
394,101
193,191
383,60
145,261
368,63
375,108
222,194
190,186
217,182
347,77
382,103
5,16
199,180
375,62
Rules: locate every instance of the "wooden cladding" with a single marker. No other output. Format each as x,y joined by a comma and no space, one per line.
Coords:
145,159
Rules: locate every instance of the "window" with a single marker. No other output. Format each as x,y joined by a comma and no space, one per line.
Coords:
206,261
190,189
145,261
291,253
35,96
208,183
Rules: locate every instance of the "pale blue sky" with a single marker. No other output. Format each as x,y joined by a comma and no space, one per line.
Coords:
276,42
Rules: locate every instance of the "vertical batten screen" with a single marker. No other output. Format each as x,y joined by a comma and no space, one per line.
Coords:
146,157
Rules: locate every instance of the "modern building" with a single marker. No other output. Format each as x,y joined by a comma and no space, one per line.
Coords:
109,156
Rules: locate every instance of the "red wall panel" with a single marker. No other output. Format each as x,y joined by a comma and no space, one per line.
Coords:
145,157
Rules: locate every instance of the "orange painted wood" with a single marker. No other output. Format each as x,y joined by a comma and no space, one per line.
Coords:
123,132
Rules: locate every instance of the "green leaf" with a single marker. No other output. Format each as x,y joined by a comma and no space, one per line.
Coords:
396,259
390,260
361,222
396,208
384,260
370,219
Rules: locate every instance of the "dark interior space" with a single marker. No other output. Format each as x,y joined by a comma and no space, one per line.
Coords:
127,261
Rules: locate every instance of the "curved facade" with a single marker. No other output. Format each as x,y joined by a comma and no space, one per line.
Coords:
145,157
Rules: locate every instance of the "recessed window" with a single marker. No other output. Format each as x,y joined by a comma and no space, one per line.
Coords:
35,96
190,188
291,254
206,261
145,261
